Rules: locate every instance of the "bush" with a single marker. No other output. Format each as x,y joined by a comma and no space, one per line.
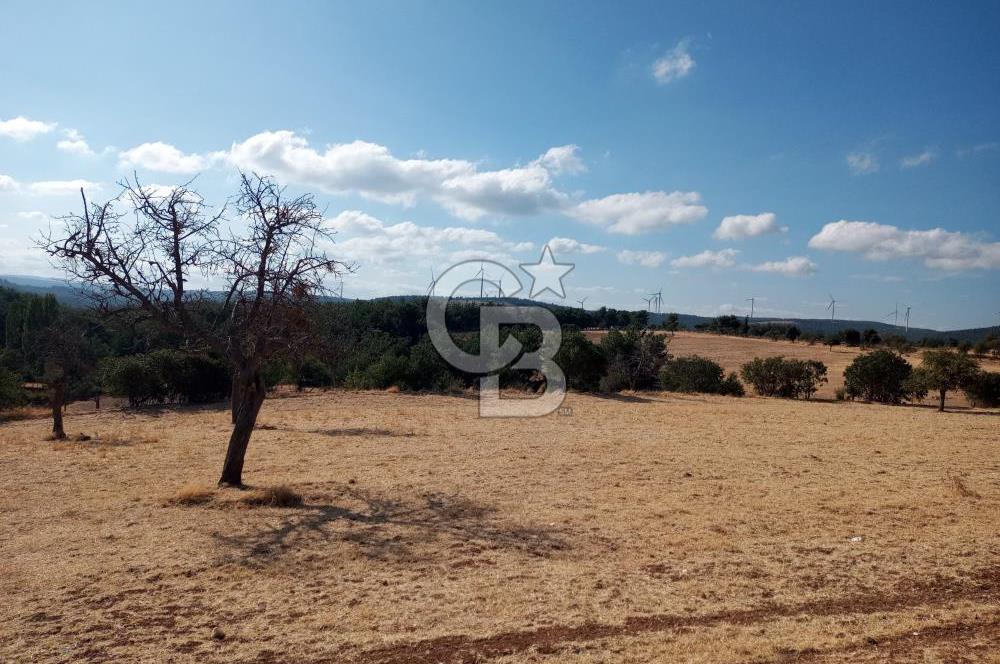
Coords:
313,372
634,358
880,376
983,389
10,389
581,361
943,370
698,374
789,379
166,375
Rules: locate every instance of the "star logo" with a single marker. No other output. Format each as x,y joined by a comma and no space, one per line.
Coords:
547,274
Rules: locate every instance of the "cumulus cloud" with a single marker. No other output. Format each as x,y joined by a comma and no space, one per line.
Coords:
22,129
371,240
937,247
562,159
74,143
8,184
793,266
921,159
374,172
715,259
742,226
567,245
674,64
162,157
634,213
643,258
862,163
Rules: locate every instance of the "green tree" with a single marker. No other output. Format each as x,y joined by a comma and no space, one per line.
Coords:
944,370
881,375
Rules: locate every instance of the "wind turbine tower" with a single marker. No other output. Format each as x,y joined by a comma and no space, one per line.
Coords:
751,300
907,318
581,301
832,307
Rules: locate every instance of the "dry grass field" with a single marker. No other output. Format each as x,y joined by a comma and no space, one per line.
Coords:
645,528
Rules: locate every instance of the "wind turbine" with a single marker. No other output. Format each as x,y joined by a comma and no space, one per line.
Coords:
341,295
482,279
907,318
648,301
581,302
499,288
832,307
657,299
430,286
751,300
895,315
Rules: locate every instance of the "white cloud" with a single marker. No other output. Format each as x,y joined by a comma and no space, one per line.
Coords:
567,245
374,172
562,159
74,143
370,240
937,247
47,187
862,163
742,226
921,159
674,64
161,157
715,259
62,187
509,192
22,129
643,258
793,266
635,213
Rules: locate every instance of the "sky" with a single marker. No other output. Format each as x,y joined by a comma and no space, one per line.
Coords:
788,152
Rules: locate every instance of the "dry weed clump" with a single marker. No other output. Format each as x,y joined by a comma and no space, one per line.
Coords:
192,494
272,496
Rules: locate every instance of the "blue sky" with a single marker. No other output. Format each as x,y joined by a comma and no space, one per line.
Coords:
719,151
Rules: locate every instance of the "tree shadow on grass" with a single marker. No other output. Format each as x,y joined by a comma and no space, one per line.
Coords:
386,528
617,396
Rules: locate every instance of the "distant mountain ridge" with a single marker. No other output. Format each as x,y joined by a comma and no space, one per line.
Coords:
66,293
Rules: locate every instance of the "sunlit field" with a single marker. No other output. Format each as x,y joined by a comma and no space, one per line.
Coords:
638,528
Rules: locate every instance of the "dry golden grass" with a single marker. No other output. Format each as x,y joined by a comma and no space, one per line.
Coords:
644,528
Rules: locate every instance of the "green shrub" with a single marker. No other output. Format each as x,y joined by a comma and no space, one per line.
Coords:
581,361
313,372
633,359
983,389
698,374
11,393
789,379
880,376
943,370
166,375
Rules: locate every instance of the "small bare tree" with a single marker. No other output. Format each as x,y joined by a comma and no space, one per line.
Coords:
141,250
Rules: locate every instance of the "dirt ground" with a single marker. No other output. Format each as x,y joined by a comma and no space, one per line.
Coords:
645,528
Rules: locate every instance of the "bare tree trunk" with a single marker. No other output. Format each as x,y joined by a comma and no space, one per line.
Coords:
58,397
234,397
249,396
941,403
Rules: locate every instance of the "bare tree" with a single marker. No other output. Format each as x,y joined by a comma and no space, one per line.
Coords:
268,263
